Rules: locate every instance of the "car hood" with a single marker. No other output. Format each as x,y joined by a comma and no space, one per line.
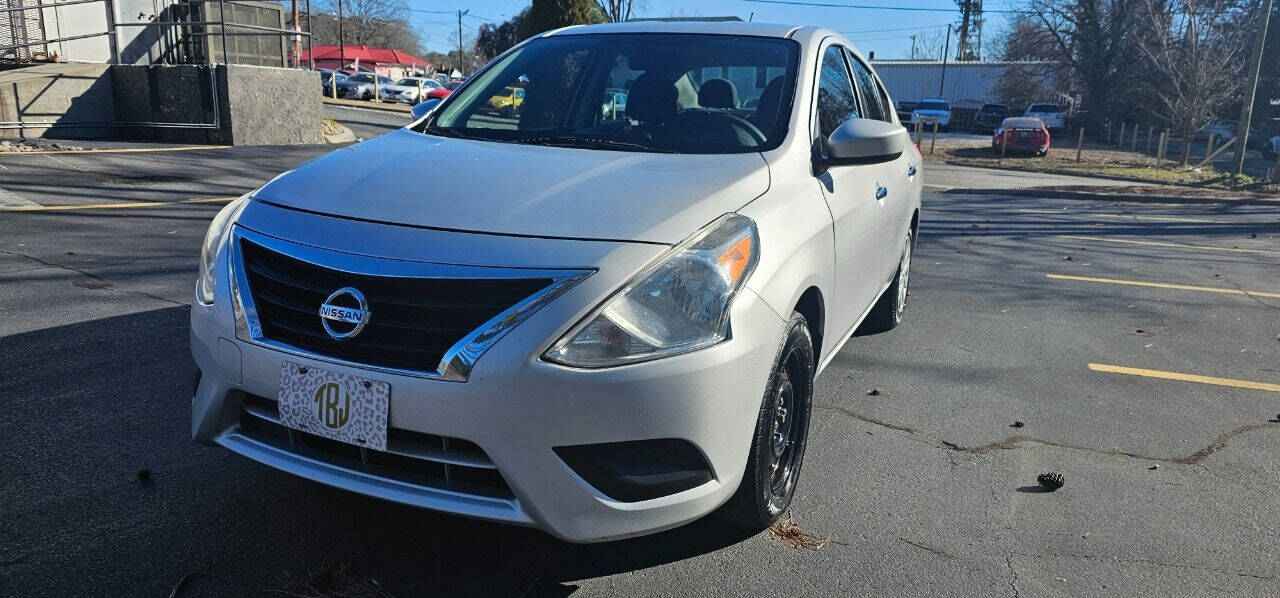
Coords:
414,179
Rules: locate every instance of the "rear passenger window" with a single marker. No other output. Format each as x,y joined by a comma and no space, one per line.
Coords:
868,91
836,102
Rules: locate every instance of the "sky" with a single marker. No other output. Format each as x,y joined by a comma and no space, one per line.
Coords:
885,32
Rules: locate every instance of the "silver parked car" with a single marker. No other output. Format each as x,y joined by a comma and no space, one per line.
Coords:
617,335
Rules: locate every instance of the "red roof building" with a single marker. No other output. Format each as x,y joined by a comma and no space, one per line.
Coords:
383,61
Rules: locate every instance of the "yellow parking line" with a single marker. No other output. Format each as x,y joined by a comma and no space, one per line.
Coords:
1173,245
1126,216
109,206
1118,369
119,150
1165,285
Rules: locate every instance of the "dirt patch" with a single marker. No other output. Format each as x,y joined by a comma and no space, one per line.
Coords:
32,145
787,532
331,580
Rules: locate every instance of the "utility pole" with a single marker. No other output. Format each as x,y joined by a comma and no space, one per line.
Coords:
297,39
946,47
342,45
1251,90
461,13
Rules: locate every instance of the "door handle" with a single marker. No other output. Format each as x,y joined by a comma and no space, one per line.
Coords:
881,192
911,170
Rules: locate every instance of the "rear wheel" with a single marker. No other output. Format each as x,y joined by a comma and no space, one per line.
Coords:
887,313
781,435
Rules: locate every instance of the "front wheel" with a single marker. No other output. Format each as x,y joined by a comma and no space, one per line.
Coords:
781,434
887,313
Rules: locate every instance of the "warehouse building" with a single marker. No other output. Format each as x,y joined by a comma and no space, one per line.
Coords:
964,84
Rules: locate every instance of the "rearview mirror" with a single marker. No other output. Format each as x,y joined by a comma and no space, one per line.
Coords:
865,141
424,108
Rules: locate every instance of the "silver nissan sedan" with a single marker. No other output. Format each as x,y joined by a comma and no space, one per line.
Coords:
602,323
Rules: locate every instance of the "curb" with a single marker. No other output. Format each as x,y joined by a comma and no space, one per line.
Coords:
1088,195
369,105
1108,177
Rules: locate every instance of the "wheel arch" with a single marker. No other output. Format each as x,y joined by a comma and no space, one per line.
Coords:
811,305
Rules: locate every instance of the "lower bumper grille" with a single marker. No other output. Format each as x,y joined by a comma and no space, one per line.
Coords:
427,460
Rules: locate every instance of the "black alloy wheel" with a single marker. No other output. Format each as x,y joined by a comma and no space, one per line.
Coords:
781,435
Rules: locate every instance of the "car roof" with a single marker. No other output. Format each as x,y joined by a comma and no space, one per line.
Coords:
692,26
1023,121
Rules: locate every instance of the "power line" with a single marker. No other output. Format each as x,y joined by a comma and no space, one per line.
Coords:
878,7
898,29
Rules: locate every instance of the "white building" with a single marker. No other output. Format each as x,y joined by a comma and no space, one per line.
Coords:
964,84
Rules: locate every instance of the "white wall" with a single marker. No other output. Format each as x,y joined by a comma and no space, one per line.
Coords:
79,19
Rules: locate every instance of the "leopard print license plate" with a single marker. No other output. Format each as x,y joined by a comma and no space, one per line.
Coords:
334,405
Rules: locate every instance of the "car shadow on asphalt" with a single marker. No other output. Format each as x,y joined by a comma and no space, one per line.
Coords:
98,402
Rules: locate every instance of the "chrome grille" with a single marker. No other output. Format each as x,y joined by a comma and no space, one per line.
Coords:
415,321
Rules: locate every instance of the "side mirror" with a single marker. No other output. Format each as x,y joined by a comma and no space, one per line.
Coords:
865,141
424,108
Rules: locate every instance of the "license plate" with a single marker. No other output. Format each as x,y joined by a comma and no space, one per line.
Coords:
334,405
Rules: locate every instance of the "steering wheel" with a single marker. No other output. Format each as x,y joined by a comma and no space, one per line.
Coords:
736,121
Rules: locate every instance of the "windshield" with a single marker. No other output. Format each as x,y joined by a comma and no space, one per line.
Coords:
1045,108
408,82
360,78
994,108
674,93
942,106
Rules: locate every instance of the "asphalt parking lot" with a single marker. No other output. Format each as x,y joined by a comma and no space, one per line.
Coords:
1138,344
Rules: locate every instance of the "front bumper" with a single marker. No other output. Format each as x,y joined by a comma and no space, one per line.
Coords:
515,406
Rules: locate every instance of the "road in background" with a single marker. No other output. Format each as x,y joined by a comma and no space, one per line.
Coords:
924,486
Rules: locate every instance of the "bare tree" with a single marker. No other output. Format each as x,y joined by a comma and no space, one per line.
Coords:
1192,53
377,23
618,11
927,45
1094,39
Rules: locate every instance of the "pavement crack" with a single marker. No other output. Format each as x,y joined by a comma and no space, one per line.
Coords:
1147,562
94,281
1248,293
1015,442
1013,575
935,551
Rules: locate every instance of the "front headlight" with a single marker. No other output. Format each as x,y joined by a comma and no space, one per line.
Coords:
680,303
209,250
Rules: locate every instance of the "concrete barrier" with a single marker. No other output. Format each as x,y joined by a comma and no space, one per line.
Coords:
225,104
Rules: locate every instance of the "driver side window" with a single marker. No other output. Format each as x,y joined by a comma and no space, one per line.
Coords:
836,100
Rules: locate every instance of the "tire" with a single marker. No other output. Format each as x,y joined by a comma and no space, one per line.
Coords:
773,465
887,313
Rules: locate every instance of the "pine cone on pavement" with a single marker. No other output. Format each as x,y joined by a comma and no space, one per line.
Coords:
1051,481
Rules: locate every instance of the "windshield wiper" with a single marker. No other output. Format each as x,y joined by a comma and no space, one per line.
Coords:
443,132
593,143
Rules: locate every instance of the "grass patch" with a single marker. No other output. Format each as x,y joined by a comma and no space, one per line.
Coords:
1110,163
332,127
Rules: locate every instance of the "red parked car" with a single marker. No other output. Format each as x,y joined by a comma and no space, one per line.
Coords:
443,92
1021,134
